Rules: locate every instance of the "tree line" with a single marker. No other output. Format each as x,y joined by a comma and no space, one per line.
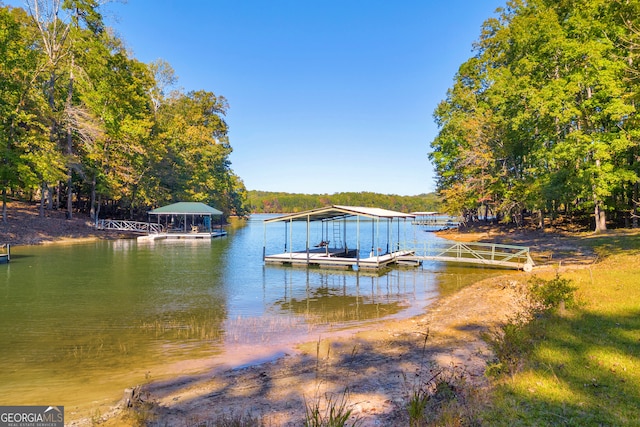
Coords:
84,126
276,202
543,117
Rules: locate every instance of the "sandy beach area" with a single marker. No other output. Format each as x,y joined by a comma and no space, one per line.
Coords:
378,367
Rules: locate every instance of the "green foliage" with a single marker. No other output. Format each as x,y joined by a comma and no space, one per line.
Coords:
544,117
444,398
79,107
273,202
417,406
510,344
548,295
515,339
581,368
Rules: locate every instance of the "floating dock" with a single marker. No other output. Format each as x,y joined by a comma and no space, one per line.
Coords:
6,256
181,236
338,259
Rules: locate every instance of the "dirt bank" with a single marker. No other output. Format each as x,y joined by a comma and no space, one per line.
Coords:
25,226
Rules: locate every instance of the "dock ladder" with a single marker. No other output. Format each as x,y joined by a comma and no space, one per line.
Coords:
337,235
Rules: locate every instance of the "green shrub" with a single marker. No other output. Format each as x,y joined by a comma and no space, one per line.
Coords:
514,340
548,295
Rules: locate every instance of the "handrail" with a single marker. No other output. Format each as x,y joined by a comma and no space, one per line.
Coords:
134,226
474,252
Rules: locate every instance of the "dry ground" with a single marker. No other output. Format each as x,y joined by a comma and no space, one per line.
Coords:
24,226
380,364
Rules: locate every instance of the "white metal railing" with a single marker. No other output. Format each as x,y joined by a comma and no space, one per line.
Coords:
133,226
474,253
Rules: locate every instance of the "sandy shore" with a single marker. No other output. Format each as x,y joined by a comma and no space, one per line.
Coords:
380,366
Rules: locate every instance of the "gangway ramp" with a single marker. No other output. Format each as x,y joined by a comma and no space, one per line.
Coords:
132,226
489,254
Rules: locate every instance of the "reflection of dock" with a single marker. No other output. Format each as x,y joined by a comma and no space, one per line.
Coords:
6,256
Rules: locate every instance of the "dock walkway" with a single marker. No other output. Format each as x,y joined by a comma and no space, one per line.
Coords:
488,254
485,254
132,226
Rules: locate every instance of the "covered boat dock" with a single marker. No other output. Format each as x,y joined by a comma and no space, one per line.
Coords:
333,246
184,220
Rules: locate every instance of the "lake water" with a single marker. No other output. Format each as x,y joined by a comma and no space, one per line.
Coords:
81,322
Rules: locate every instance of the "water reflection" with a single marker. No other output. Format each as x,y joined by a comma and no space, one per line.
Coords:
330,297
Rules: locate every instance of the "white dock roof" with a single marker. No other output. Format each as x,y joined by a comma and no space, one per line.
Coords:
339,211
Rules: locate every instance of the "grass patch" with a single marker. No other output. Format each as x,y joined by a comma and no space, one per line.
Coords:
444,398
613,242
330,410
580,367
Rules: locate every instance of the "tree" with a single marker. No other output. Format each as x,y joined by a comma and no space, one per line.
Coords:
29,156
549,79
75,105
59,24
196,166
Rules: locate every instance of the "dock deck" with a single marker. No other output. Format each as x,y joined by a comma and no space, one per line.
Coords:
6,256
182,236
336,259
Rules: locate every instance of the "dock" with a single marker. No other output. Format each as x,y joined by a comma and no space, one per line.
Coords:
337,249
181,236
178,221
5,257
338,259
387,247
434,221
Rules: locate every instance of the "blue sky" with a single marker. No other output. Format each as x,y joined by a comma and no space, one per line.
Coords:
325,96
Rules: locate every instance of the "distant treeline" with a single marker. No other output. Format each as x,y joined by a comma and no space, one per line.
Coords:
276,202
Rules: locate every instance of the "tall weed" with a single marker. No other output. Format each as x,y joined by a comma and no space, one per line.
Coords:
329,410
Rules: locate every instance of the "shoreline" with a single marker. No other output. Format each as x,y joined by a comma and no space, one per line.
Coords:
378,363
